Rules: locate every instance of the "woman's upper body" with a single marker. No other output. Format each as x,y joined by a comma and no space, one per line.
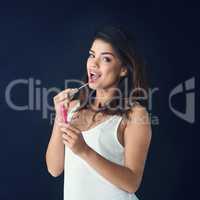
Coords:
117,148
104,139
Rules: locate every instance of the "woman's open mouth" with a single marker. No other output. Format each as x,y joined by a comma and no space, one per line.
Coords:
93,76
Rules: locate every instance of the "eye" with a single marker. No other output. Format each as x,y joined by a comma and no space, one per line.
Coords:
91,55
106,59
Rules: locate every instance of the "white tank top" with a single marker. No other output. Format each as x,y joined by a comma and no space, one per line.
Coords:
81,181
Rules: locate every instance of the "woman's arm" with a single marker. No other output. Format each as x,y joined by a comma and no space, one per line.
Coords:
137,137
55,151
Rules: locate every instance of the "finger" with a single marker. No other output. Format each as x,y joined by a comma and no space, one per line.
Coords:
68,126
68,144
70,133
62,95
66,137
66,103
65,125
73,128
66,93
61,124
71,90
64,130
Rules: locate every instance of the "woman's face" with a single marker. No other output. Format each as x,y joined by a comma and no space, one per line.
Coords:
103,66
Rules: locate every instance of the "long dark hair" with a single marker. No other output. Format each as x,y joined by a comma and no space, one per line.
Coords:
124,46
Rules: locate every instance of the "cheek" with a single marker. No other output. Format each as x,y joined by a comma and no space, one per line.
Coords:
111,73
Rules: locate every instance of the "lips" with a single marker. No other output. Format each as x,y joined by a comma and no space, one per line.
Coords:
93,75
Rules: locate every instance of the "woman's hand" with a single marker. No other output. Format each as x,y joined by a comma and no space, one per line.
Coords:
62,98
73,138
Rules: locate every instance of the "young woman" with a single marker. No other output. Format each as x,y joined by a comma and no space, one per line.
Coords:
103,147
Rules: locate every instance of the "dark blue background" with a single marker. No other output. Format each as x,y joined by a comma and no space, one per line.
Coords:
49,41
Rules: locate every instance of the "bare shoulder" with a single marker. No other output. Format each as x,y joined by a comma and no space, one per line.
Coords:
138,123
138,114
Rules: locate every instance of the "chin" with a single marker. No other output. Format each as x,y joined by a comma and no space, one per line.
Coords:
94,86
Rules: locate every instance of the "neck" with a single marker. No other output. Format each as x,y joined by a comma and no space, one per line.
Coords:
103,96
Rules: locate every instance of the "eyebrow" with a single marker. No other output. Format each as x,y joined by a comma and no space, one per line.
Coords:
103,53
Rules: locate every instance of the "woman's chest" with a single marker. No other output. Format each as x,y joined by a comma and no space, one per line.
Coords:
86,120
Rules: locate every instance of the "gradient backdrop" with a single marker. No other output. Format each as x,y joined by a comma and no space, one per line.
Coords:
47,43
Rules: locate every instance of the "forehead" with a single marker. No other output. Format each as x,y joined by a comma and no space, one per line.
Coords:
100,45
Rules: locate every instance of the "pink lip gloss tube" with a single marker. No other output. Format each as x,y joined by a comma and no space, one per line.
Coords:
64,113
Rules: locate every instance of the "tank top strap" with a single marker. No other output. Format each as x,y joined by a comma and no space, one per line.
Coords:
116,125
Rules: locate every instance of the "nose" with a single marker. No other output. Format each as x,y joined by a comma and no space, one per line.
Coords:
94,63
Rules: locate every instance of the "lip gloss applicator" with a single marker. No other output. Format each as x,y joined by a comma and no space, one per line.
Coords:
64,111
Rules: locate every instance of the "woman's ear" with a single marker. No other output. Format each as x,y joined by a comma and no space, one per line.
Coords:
123,71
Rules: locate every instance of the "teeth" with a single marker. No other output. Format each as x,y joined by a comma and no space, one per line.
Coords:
94,76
